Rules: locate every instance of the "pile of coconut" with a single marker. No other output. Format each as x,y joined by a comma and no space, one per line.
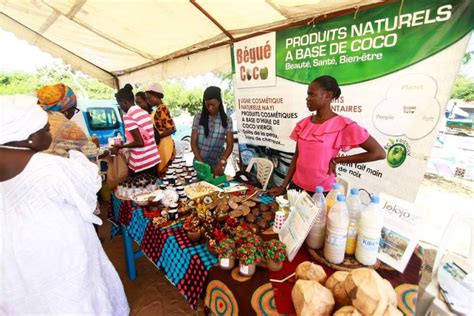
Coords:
359,292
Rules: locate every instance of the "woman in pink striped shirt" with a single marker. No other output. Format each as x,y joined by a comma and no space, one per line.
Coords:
139,131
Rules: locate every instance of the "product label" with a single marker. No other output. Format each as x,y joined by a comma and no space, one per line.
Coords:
335,240
244,269
370,244
225,262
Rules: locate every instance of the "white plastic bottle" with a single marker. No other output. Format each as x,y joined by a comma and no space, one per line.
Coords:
370,228
315,238
118,139
354,207
336,233
332,195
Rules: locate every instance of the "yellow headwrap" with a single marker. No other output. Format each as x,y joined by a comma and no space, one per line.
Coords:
58,97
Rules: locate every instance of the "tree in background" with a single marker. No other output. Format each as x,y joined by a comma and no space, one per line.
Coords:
463,89
180,100
25,83
17,83
177,97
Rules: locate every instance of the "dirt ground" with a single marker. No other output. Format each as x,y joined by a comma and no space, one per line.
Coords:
151,293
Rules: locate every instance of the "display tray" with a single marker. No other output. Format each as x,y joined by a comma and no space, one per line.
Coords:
142,199
199,189
350,263
120,197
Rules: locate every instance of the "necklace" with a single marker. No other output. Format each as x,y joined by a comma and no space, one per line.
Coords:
13,147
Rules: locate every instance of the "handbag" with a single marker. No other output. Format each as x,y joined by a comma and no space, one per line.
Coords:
117,169
247,178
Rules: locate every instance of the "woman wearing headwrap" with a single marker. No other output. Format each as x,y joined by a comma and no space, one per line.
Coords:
212,128
164,126
61,104
51,259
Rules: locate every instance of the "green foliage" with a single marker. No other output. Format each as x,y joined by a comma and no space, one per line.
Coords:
463,89
25,83
180,99
17,83
177,97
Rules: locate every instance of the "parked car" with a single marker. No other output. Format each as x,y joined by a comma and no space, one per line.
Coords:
100,117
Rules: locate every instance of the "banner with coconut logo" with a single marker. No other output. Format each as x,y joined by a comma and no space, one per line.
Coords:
396,64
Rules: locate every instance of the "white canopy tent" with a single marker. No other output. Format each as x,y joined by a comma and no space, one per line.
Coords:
118,41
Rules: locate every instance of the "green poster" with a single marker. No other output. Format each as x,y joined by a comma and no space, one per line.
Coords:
379,41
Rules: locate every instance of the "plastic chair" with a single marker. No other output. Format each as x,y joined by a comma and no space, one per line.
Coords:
264,170
427,302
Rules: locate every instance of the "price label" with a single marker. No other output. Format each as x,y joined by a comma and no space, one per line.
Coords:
244,269
225,262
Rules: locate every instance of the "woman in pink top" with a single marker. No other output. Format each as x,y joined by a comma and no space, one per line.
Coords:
140,132
320,137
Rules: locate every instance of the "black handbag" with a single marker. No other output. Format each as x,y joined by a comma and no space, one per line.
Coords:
247,178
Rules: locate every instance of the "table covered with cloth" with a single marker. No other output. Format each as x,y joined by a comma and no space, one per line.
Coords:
227,292
195,272
185,263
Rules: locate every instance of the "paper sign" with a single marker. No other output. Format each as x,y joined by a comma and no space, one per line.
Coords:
297,226
400,232
225,262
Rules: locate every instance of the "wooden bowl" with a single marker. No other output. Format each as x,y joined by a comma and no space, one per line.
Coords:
222,217
195,235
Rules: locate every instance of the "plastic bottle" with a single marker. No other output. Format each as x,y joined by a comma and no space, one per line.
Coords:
336,233
332,195
354,207
111,141
370,228
283,205
118,139
315,239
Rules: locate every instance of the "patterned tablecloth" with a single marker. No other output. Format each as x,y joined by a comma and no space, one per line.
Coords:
188,266
185,263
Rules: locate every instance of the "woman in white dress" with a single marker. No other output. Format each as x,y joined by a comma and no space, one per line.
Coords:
51,261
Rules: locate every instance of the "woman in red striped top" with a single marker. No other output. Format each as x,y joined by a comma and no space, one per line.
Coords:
139,129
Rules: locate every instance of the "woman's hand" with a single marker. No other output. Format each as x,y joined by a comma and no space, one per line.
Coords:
104,154
114,150
219,169
275,191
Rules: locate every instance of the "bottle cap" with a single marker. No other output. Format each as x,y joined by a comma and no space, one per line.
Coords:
341,198
319,189
375,199
354,191
336,186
